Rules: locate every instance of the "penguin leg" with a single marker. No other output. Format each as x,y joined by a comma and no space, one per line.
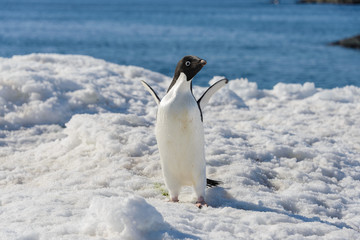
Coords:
199,188
174,194
173,188
201,202
174,199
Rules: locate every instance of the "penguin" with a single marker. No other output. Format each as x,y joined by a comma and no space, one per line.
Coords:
179,131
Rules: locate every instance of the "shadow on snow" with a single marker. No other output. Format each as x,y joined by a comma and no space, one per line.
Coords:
219,197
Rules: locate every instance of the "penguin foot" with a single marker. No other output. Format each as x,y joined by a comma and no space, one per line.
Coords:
201,202
200,205
174,199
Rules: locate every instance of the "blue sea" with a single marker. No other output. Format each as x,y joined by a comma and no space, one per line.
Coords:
255,39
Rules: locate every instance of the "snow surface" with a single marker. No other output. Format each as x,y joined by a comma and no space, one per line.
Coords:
79,160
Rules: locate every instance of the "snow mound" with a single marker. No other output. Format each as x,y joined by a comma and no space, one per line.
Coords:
245,89
294,91
126,217
227,98
49,88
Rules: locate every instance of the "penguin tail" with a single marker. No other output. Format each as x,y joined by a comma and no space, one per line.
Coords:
212,183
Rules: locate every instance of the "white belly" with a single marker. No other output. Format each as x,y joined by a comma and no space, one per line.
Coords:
180,138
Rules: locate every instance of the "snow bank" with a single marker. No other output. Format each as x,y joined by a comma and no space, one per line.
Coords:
49,89
79,160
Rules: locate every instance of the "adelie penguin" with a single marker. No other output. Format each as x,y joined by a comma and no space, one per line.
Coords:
179,131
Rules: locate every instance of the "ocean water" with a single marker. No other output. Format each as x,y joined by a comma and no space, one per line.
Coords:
263,42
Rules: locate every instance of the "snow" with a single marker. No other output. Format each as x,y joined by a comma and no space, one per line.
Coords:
79,160
131,216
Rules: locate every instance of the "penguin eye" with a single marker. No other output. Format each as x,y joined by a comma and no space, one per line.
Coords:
187,63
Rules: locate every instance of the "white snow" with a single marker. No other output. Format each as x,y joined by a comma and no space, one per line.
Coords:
129,217
79,160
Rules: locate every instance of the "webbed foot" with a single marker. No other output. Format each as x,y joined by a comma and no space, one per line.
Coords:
174,199
201,202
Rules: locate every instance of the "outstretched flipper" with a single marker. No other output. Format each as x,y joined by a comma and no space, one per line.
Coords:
151,91
204,99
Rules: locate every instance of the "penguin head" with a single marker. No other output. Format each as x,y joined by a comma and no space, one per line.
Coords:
190,66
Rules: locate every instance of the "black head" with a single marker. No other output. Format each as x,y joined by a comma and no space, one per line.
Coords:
190,66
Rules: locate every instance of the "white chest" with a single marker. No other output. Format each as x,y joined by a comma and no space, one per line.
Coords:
179,111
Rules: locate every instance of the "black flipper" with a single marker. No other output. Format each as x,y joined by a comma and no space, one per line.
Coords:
152,92
212,183
204,99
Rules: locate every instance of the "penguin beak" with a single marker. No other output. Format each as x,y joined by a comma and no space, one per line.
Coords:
203,62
